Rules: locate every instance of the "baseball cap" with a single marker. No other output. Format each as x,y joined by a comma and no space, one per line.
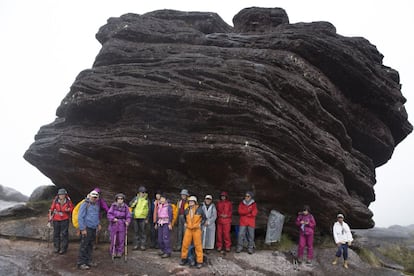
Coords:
208,197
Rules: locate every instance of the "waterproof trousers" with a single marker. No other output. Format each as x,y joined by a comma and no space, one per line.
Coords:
86,246
223,233
61,235
140,234
164,242
305,240
117,242
192,235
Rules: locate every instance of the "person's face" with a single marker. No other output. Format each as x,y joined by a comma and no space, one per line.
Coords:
141,194
157,196
184,197
61,197
94,199
120,200
305,212
340,220
162,200
247,197
207,201
191,203
223,197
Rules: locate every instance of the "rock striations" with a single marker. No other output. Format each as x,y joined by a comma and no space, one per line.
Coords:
295,112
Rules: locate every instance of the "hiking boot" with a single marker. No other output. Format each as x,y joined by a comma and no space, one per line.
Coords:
165,255
238,250
227,250
92,264
160,253
61,252
346,264
219,249
135,247
308,262
84,267
142,248
335,261
183,262
250,251
56,250
198,265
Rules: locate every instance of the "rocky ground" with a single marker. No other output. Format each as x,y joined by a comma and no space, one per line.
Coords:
20,257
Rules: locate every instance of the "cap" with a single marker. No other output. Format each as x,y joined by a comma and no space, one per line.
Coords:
340,216
249,193
208,197
97,190
192,198
224,194
62,192
94,194
184,192
119,195
142,189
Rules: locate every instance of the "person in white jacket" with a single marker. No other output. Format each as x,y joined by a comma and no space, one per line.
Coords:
343,239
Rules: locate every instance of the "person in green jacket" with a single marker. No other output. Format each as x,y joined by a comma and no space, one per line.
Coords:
140,211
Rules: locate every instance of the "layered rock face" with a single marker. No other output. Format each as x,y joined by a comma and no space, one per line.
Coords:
294,112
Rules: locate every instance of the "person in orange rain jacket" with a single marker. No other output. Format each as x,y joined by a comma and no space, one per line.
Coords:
224,214
248,212
59,214
194,219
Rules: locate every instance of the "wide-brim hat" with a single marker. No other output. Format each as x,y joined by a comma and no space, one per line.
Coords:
184,192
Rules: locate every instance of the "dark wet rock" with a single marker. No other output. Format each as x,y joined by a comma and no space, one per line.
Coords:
45,192
20,210
295,112
10,194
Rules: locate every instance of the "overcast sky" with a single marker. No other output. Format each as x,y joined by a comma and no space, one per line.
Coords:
45,44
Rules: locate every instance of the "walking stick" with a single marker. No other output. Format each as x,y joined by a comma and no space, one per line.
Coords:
126,244
113,246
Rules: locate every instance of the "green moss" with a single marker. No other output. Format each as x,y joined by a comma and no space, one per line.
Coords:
368,256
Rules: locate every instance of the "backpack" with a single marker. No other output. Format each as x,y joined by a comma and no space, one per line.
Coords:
75,213
175,213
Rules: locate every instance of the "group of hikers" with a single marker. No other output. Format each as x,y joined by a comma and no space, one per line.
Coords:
201,226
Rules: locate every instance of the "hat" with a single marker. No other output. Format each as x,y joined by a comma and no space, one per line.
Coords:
249,193
224,194
94,194
62,192
142,189
208,197
119,195
192,198
340,216
97,190
184,192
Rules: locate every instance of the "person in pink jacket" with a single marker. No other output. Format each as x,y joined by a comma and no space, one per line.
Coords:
306,223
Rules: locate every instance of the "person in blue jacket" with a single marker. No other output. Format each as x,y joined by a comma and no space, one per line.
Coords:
88,218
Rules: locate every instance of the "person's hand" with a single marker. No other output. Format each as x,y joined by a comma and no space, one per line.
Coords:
349,243
83,232
339,244
185,225
156,226
146,221
99,227
126,223
302,222
206,223
170,226
115,220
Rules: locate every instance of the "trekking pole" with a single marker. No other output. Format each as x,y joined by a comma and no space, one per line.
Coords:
113,246
126,244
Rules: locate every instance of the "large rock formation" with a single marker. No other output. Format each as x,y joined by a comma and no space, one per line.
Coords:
295,112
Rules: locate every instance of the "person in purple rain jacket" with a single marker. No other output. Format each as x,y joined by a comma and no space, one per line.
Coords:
119,217
306,223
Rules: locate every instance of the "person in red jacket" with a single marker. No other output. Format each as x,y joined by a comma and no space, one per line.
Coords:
59,214
248,212
224,214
